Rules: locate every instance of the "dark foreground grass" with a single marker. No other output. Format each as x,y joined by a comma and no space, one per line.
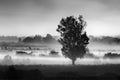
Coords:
60,72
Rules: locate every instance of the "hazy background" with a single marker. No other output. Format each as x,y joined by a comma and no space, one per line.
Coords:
30,17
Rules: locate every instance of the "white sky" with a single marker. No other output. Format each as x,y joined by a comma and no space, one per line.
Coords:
30,17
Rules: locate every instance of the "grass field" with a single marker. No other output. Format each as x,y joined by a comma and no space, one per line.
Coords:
64,72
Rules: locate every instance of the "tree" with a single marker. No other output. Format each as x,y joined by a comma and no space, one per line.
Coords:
53,52
49,39
38,38
28,40
73,37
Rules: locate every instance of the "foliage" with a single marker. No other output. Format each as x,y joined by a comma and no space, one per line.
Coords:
111,55
28,39
49,39
73,37
53,52
39,39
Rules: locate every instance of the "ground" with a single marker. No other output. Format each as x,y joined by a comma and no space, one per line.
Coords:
44,72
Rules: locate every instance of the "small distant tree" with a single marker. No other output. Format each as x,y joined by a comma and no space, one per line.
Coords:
28,40
49,39
37,38
53,52
73,37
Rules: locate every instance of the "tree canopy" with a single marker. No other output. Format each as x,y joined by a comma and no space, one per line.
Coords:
73,37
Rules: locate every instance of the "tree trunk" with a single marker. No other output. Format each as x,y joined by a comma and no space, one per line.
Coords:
73,62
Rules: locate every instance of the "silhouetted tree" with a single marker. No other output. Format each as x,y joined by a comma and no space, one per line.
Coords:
73,37
53,52
38,38
49,39
28,39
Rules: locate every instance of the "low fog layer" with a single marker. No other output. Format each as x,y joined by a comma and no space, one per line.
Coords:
15,60
11,58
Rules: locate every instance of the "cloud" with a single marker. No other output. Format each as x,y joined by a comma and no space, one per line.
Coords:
111,4
44,15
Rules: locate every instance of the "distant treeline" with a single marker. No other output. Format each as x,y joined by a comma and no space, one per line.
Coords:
39,39
8,39
105,40
36,41
53,39
29,39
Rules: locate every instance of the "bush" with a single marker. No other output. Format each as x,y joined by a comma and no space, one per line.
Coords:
111,55
7,60
53,52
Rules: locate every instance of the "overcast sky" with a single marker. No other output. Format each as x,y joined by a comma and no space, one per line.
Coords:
30,17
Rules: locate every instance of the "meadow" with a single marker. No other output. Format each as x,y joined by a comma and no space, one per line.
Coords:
60,72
